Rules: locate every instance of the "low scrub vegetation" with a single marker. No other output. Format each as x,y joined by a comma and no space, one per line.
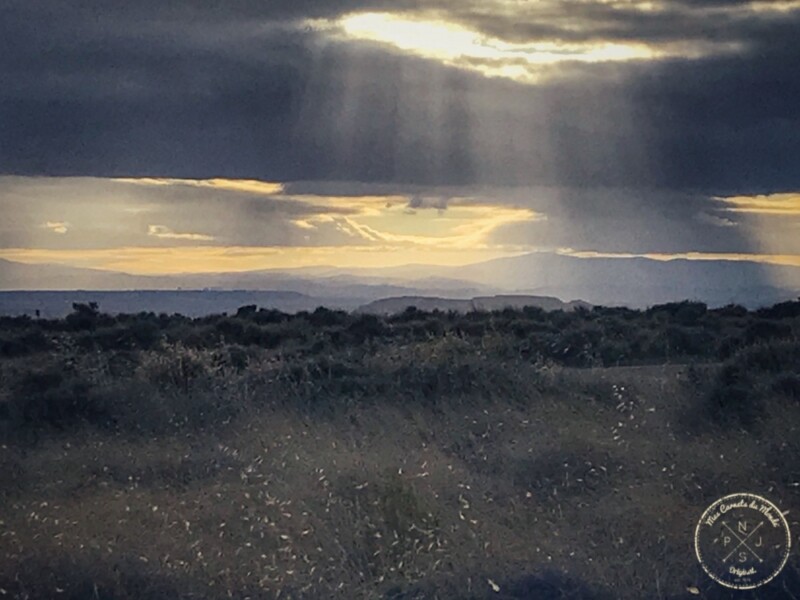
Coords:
151,372
507,454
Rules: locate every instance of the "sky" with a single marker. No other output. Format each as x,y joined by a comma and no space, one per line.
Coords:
206,136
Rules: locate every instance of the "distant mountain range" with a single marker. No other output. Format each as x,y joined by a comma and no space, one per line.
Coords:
316,282
195,303
191,303
635,282
639,282
396,305
19,276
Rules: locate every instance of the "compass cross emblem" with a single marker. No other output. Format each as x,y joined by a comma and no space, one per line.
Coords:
742,527
742,541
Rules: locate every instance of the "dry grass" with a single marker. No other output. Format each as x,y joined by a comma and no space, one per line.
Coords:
590,487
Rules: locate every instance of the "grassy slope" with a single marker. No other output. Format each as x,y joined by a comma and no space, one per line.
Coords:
588,483
422,456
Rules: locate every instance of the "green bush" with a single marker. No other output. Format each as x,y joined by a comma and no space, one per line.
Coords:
682,313
246,311
22,344
323,317
747,383
762,331
136,335
734,403
83,316
55,397
366,327
774,357
783,310
267,316
730,310
787,384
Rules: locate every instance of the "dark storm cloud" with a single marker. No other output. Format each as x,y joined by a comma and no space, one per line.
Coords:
243,89
666,21
630,221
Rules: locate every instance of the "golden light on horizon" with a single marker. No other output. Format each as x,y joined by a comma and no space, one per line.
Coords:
788,260
462,226
315,230
784,204
252,225
773,222
219,259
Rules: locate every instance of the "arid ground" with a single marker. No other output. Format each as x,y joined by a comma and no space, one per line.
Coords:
420,456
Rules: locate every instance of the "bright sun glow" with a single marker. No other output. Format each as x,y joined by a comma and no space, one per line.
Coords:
450,42
456,45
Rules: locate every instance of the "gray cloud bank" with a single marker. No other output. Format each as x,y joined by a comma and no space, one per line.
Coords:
246,89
